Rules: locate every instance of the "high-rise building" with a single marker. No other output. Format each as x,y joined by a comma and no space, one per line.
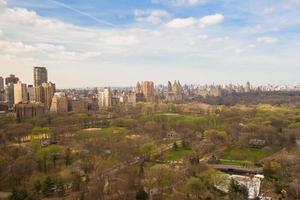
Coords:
2,93
248,87
30,90
1,83
29,110
9,94
40,76
148,90
11,79
48,93
43,90
105,98
59,103
20,93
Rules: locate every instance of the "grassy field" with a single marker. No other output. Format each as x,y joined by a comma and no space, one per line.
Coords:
248,154
237,162
111,132
175,155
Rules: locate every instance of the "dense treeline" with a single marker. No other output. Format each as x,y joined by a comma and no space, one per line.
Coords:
157,151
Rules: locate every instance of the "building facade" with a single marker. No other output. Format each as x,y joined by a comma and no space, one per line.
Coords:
26,111
9,95
11,79
20,93
147,89
40,76
59,103
105,98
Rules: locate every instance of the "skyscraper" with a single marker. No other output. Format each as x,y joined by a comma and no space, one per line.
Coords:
1,89
105,98
11,79
48,93
20,93
148,90
59,103
9,94
1,83
30,90
40,76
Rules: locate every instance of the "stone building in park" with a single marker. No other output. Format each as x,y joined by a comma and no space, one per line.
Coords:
28,110
59,103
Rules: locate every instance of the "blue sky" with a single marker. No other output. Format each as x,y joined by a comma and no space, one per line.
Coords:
119,42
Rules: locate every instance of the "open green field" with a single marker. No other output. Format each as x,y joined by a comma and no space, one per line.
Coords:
248,154
104,133
175,155
241,163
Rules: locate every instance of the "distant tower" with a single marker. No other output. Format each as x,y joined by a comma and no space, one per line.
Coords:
20,93
148,90
1,83
11,79
1,89
138,88
248,87
170,88
59,103
9,94
105,98
40,76
48,93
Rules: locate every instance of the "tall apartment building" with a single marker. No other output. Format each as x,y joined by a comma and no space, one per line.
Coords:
1,83
147,88
2,93
105,98
59,103
43,90
175,92
40,76
30,90
48,93
29,110
11,79
20,93
9,94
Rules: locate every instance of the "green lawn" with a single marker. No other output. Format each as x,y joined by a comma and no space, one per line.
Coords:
249,154
237,162
175,155
103,133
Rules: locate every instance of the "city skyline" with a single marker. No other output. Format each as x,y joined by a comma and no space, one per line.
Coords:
118,43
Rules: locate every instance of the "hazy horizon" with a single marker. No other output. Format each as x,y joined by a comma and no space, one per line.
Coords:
117,43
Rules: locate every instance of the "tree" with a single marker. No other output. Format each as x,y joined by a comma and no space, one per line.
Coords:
68,154
194,187
141,194
175,146
237,191
150,150
48,186
19,195
60,188
159,177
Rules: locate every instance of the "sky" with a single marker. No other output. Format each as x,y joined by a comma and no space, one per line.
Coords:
87,43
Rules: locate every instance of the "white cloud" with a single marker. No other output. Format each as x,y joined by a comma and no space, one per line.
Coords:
211,20
202,22
15,47
182,22
268,40
150,16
